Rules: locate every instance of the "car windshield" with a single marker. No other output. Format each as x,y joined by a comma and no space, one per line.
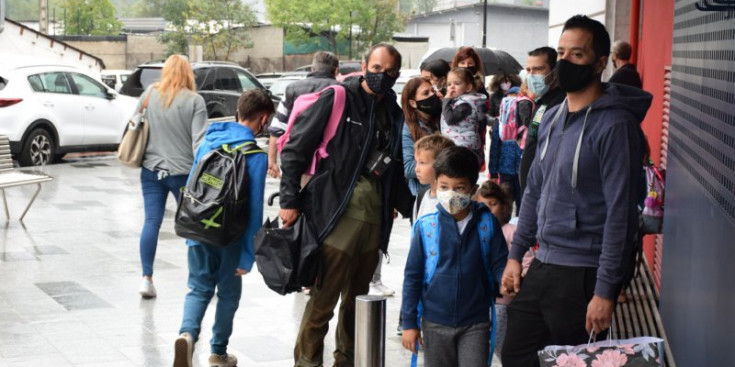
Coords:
278,87
149,76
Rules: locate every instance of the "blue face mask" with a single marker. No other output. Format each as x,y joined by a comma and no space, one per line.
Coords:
537,84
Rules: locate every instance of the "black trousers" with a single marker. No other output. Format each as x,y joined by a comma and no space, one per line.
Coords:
550,309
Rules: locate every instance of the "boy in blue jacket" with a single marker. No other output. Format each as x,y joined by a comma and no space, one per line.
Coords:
221,268
456,295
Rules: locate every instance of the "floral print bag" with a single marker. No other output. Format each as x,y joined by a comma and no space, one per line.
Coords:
636,352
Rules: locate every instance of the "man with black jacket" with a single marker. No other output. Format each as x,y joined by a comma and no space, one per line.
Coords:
350,200
542,82
324,69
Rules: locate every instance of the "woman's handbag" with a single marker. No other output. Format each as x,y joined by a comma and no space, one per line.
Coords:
636,352
134,141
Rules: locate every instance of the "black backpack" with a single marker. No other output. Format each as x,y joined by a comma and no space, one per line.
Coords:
213,206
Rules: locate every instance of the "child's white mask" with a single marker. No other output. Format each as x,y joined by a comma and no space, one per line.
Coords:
452,201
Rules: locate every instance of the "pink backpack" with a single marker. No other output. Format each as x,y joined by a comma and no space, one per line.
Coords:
302,103
512,130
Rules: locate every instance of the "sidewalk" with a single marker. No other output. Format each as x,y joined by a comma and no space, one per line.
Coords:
70,275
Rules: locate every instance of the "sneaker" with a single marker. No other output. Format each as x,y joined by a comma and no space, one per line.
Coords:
222,360
147,290
378,288
183,350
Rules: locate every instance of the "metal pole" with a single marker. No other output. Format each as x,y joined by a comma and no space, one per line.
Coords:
484,24
370,331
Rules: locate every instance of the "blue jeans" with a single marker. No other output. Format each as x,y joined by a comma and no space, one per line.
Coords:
156,186
209,268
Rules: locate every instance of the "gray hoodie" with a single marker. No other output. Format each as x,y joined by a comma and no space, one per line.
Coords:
580,202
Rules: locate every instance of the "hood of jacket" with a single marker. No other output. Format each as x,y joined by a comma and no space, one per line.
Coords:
220,133
618,98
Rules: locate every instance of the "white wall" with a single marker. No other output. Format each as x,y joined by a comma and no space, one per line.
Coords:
561,10
21,43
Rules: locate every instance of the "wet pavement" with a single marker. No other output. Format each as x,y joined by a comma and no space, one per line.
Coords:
70,275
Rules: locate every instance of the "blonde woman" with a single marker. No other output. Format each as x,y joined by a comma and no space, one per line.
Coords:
177,116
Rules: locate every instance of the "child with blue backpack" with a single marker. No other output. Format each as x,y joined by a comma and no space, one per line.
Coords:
221,269
454,266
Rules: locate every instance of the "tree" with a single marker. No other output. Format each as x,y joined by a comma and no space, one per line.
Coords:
90,18
369,21
221,26
425,6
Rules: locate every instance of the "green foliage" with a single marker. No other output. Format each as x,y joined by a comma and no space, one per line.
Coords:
220,26
20,10
90,18
371,21
425,6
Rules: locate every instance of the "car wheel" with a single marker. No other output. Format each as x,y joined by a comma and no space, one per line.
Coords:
38,149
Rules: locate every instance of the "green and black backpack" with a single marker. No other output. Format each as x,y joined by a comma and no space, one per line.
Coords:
213,206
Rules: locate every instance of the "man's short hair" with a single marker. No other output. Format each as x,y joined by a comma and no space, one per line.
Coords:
324,62
600,36
253,102
433,143
440,68
547,51
623,50
392,51
457,162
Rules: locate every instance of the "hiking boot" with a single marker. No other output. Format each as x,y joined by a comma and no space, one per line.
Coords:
378,288
147,290
183,350
222,360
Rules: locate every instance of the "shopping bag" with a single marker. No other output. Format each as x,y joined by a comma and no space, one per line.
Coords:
132,147
652,216
287,258
636,352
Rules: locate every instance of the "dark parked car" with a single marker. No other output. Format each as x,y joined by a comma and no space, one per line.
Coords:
220,83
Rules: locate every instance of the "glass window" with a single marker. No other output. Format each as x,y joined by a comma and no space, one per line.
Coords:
123,78
86,86
226,80
204,79
149,76
50,83
36,83
109,80
246,81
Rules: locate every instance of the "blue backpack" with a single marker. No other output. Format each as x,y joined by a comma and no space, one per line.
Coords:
430,240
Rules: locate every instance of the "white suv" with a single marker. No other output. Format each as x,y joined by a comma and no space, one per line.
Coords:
49,110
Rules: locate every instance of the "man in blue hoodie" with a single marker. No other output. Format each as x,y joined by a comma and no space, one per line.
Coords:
221,268
580,202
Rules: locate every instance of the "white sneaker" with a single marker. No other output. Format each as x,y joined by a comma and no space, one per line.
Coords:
147,290
223,360
377,288
183,350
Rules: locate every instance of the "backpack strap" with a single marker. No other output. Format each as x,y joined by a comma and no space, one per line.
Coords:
248,147
419,198
338,108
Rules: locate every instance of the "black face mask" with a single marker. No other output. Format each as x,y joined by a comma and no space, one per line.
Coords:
573,77
472,69
431,105
379,83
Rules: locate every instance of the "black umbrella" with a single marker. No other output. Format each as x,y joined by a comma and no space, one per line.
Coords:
493,61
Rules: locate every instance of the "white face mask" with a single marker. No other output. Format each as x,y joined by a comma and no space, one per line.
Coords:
452,201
